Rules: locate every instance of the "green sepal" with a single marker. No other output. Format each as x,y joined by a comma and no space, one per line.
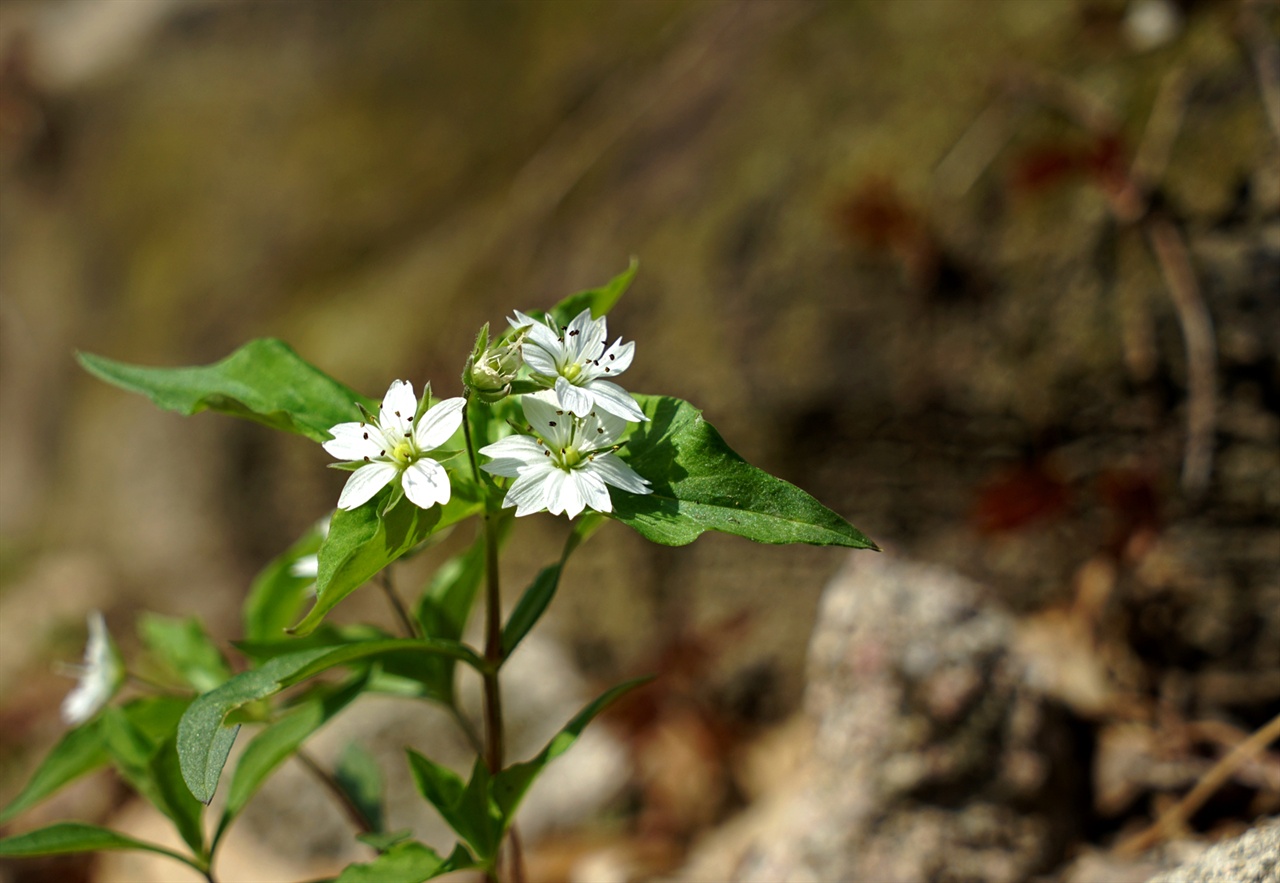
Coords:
264,380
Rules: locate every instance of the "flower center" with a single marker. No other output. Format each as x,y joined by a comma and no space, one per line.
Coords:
571,457
570,372
403,453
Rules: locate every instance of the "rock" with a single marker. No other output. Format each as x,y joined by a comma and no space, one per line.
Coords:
928,757
1253,857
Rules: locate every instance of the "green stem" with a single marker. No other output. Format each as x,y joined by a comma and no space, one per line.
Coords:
493,734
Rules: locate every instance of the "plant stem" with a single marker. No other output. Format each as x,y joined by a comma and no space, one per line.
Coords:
353,812
493,734
406,621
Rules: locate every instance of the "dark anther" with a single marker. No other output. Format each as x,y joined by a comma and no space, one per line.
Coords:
607,368
551,423
366,435
366,459
573,333
600,430
611,357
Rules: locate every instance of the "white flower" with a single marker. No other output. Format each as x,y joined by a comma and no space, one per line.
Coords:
393,448
566,467
578,359
100,675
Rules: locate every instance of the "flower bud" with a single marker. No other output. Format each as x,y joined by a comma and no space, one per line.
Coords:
491,370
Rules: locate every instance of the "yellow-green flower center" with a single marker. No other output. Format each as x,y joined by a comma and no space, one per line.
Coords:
402,453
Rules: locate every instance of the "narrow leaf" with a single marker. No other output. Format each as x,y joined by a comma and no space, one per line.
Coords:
277,595
360,777
700,484
510,785
182,647
407,862
533,603
360,544
264,380
277,742
78,753
465,807
68,837
598,300
204,742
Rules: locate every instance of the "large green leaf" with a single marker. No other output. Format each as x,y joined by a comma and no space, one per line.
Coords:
203,740
183,648
78,753
533,603
700,484
278,741
361,543
510,785
264,380
68,837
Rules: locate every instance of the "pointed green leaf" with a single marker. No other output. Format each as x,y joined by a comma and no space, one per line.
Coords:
510,785
360,544
407,862
68,837
264,380
204,742
598,300
78,753
184,650
151,768
278,741
537,597
700,484
277,596
466,807
360,777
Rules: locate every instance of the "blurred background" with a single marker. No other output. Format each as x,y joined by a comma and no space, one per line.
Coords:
936,261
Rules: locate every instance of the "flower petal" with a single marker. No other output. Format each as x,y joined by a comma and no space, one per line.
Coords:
584,336
601,429
528,493
512,455
572,398
398,407
611,470
592,489
617,358
616,400
426,483
354,441
539,359
364,483
441,421
563,494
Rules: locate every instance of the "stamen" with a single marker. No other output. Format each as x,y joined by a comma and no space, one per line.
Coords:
366,435
551,423
366,458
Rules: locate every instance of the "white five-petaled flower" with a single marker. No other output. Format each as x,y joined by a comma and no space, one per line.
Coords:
393,448
566,467
100,676
577,359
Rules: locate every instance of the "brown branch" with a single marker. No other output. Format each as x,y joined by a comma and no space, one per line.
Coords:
1174,819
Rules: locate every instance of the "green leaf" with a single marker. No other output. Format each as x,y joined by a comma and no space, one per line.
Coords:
360,544
533,603
204,742
78,753
264,380
598,300
151,768
278,741
406,862
276,598
467,808
700,484
184,650
359,776
510,785
67,837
